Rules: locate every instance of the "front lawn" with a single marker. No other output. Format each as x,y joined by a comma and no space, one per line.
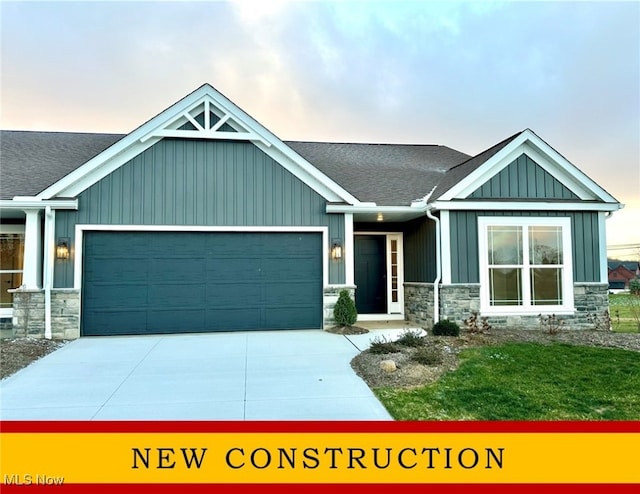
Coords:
625,312
527,381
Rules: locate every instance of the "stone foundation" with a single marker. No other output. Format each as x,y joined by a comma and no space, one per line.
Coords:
29,314
418,304
331,294
457,302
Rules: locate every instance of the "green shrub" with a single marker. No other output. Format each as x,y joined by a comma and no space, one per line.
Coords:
411,337
427,356
445,327
380,345
634,287
344,312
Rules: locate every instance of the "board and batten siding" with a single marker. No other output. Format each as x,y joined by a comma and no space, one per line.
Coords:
523,178
464,243
420,251
199,183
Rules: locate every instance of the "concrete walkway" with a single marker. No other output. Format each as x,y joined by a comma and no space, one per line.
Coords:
274,375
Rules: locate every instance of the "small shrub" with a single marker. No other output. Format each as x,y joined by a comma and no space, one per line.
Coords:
634,287
411,337
344,312
471,324
603,323
445,327
427,356
550,324
380,345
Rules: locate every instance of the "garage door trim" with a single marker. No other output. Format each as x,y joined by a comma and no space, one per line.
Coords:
82,228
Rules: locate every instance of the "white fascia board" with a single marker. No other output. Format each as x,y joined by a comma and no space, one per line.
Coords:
345,208
524,206
35,203
545,156
143,138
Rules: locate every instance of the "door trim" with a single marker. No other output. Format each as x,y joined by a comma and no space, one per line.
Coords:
395,310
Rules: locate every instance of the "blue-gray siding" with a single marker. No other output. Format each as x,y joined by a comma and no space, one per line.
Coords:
464,243
197,182
420,251
523,179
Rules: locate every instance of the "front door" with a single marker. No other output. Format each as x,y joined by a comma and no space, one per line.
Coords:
370,274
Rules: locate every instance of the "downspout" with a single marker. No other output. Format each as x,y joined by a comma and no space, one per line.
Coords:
436,283
47,269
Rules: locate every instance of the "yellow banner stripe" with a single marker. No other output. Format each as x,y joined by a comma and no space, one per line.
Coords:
316,458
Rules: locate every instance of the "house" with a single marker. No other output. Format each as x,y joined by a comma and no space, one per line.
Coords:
201,219
621,273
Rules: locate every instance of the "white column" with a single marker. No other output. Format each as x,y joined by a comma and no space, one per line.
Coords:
445,246
348,249
31,279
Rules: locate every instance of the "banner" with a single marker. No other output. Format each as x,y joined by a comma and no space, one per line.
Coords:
288,456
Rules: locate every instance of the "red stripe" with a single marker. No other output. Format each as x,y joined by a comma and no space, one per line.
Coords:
324,488
314,426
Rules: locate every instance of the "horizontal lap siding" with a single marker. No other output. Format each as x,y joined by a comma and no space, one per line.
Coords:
197,182
464,243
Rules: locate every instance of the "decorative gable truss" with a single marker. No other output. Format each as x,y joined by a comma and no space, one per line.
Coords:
203,114
207,119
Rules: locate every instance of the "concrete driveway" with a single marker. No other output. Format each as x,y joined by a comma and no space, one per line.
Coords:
274,375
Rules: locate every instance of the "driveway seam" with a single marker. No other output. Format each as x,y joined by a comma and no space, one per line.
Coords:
125,378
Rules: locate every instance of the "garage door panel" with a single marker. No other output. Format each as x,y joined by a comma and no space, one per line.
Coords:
105,270
178,320
101,295
225,319
163,282
247,269
168,295
177,270
100,322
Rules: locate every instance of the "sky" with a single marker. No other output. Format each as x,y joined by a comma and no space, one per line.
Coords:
461,74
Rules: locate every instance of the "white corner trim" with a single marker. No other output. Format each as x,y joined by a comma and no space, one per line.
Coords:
602,247
445,246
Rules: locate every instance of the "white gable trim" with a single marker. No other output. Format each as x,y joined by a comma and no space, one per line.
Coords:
545,156
166,124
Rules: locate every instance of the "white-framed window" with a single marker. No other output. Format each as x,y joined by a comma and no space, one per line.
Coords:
11,264
525,265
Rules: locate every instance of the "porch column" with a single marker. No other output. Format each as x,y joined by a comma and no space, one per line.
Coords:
32,265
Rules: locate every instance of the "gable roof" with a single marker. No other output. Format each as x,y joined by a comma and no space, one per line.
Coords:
48,165
387,174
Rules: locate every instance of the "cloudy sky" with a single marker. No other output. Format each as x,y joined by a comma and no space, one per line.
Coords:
462,74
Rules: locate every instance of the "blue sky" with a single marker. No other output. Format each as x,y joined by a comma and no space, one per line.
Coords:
462,74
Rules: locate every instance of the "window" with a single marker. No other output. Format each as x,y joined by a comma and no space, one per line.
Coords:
525,265
11,261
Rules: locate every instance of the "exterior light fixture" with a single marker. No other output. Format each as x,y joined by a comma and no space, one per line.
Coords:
62,249
380,217
336,249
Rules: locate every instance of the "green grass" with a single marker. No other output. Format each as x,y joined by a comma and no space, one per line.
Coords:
527,381
625,312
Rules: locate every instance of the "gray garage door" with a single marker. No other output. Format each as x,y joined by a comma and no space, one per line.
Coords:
179,282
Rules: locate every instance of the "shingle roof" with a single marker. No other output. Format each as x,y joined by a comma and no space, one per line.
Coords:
32,161
387,174
458,172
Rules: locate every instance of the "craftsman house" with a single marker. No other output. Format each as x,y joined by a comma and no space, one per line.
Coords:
201,220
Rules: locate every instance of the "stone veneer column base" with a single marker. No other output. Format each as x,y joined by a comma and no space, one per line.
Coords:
330,297
29,316
418,304
457,302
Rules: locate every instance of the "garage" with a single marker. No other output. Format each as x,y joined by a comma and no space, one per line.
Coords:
184,282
